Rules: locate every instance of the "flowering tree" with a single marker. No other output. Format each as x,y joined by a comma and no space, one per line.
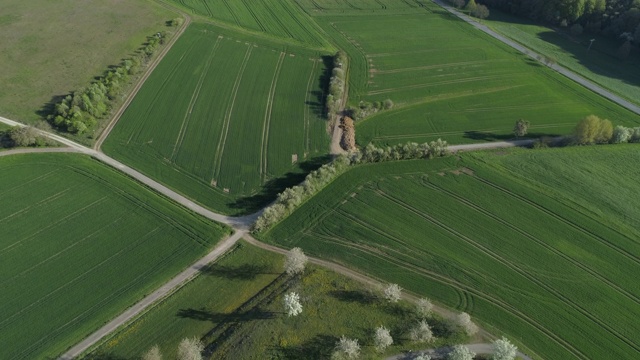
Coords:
382,338
424,308
292,304
392,293
346,349
421,332
463,322
190,349
153,354
503,349
296,261
461,352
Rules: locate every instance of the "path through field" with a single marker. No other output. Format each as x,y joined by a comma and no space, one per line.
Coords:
441,353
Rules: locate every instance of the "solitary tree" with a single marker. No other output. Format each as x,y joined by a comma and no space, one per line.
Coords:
521,128
153,354
392,293
292,304
382,339
421,332
346,349
592,130
463,322
295,262
503,349
461,352
190,349
424,308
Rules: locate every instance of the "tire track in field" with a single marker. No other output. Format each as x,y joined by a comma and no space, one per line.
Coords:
438,66
382,5
37,204
53,224
450,82
464,288
227,119
279,22
307,112
207,8
24,183
302,26
514,267
533,238
266,124
570,223
193,101
253,14
233,14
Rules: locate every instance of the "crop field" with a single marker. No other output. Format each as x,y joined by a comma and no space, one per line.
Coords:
534,256
281,19
451,81
222,116
80,243
40,60
599,64
235,306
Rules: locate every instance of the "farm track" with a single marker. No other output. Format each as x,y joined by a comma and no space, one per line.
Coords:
143,79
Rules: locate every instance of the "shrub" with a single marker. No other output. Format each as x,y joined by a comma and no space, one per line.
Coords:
593,130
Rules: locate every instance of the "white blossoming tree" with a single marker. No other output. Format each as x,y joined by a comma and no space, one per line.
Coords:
190,349
424,307
392,293
503,349
295,262
461,352
292,304
463,322
346,349
153,354
421,332
382,339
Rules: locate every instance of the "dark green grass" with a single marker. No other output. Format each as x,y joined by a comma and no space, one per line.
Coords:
275,18
531,246
246,124
451,81
235,306
82,242
600,64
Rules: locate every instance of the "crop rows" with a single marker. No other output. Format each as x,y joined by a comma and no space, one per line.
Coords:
245,115
472,238
277,18
105,242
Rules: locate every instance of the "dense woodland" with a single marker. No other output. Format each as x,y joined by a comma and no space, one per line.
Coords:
614,18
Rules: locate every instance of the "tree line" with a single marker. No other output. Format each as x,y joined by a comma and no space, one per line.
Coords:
336,83
80,111
24,136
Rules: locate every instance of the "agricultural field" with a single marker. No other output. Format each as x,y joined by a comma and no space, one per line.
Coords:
599,64
539,245
235,306
449,80
50,49
223,118
274,18
81,242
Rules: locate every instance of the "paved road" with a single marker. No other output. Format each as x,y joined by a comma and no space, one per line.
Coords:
441,353
562,70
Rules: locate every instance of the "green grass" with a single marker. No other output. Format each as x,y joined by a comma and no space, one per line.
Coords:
274,18
81,242
600,64
223,118
51,49
235,306
451,81
541,246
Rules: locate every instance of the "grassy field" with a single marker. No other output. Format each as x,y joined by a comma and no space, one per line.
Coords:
274,18
448,79
235,306
222,118
540,245
600,64
81,242
50,49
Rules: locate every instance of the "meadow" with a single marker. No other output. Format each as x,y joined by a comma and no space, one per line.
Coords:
599,64
82,242
235,306
449,80
51,49
274,18
222,118
550,261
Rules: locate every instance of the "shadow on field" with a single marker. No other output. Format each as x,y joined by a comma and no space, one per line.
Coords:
273,187
317,106
319,347
102,356
489,136
242,272
353,296
204,315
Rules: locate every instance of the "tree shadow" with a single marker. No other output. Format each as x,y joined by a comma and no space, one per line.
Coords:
101,356
319,347
489,136
217,318
358,296
242,272
273,187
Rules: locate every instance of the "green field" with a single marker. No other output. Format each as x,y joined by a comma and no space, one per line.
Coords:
274,18
235,306
599,64
50,49
539,245
222,118
447,79
81,242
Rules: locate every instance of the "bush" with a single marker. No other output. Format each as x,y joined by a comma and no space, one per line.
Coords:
593,130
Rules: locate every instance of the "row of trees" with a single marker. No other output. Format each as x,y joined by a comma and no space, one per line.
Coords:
477,10
292,197
594,130
336,83
22,137
188,349
80,111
